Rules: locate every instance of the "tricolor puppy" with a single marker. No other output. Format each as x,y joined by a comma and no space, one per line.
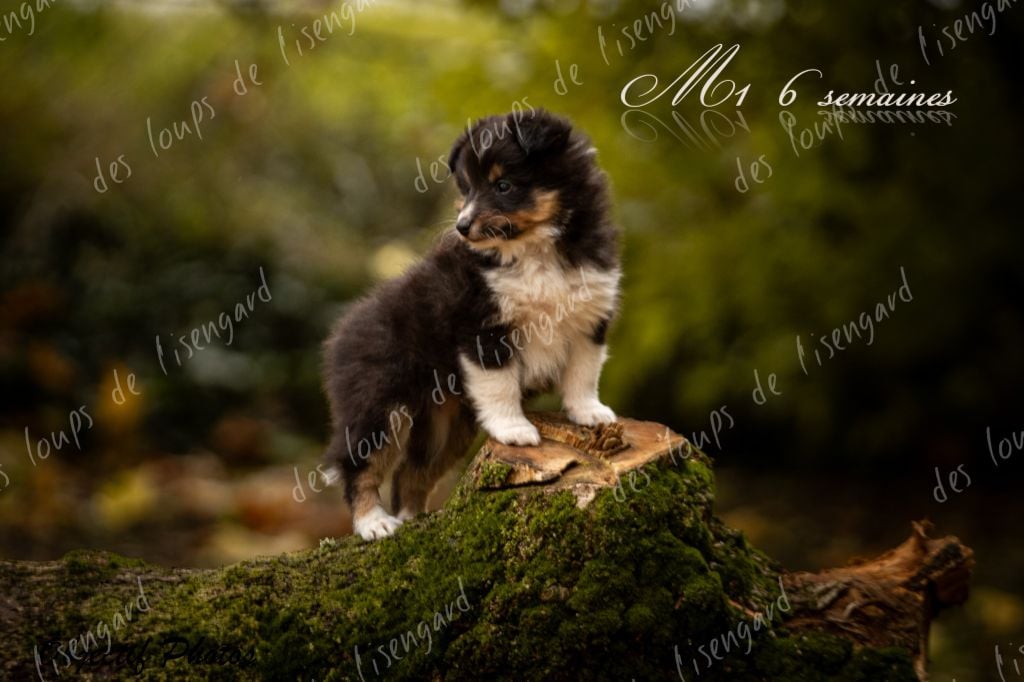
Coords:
516,299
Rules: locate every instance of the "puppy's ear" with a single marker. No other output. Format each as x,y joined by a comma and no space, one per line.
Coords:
539,132
453,155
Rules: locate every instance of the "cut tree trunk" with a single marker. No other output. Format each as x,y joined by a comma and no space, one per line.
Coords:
592,556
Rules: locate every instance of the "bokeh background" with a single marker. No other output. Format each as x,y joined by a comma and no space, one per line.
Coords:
321,175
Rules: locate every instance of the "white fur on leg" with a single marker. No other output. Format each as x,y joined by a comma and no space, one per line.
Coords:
579,384
406,514
497,397
375,524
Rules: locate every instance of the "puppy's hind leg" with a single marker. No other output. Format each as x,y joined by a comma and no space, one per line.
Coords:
362,488
433,450
410,486
369,518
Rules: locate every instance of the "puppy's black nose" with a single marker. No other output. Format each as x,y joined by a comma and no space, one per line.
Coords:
463,226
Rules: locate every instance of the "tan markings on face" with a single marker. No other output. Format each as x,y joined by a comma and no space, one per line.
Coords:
459,203
545,207
495,172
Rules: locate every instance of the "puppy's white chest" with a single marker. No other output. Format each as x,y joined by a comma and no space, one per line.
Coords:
548,307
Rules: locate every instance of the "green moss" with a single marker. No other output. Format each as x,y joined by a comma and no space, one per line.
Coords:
803,657
820,657
868,665
554,592
82,563
493,474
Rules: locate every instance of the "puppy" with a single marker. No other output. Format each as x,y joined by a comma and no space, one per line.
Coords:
516,299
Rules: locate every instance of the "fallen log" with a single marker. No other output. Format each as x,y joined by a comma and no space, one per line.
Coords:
595,555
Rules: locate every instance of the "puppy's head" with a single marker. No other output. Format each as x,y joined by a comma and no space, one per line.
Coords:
520,176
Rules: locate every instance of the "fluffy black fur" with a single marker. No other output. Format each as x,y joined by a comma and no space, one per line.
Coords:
395,351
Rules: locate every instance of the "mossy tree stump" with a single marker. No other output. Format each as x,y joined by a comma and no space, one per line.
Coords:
593,556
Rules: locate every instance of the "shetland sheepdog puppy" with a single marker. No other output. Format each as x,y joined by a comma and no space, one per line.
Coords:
514,299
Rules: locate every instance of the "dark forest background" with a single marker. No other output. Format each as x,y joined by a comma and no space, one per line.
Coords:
314,176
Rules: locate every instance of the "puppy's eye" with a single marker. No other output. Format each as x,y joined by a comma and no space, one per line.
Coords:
503,186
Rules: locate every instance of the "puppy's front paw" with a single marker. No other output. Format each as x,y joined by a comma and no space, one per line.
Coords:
375,524
519,432
591,414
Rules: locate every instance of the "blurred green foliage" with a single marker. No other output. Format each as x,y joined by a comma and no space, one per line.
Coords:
311,175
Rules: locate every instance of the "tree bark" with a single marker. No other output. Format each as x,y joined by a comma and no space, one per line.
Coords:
592,556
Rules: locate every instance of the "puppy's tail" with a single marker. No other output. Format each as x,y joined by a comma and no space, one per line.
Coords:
331,475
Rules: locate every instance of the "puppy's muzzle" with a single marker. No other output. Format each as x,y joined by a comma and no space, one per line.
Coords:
467,216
